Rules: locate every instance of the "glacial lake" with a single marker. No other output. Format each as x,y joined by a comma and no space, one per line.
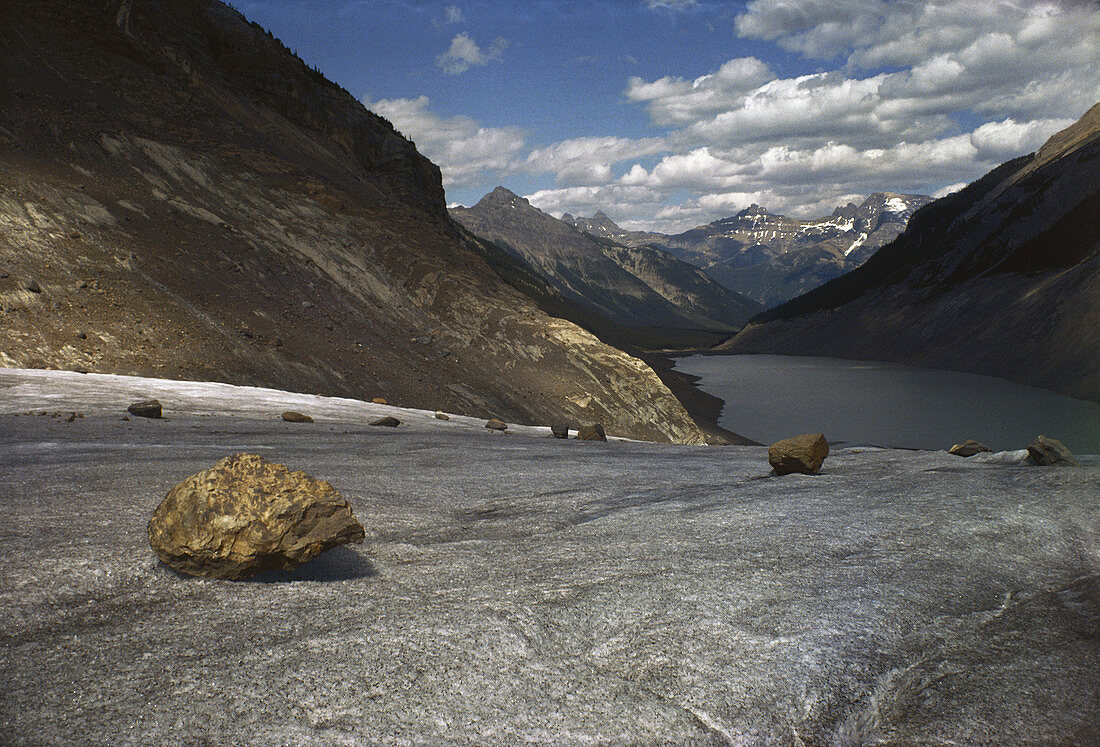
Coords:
769,397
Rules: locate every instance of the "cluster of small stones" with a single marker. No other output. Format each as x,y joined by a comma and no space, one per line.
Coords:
1043,452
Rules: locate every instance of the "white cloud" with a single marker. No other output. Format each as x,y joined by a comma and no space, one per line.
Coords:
677,101
816,28
816,107
588,160
465,53
452,14
1001,141
464,150
802,182
950,189
696,170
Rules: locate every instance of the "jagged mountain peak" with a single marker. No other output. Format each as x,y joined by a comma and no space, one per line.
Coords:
600,224
503,196
601,220
753,209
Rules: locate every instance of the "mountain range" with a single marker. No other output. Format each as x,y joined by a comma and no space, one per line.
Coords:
634,296
772,258
184,198
1001,278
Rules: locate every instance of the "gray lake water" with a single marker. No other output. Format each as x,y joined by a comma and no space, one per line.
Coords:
769,397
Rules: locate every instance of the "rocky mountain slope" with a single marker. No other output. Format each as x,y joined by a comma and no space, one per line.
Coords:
639,296
181,196
772,258
1002,278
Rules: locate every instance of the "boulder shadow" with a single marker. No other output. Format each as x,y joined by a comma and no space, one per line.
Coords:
338,564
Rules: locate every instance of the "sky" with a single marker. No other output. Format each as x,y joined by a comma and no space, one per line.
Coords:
668,114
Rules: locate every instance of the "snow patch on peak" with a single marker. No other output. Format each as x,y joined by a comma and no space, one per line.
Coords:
856,244
895,205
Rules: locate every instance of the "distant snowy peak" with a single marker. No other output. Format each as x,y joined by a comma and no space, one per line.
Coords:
772,257
889,205
598,225
754,221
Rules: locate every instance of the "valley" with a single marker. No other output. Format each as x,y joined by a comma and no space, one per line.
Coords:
551,434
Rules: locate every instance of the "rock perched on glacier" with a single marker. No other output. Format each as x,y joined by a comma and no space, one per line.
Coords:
1047,452
560,430
245,515
593,432
292,416
968,448
805,454
149,408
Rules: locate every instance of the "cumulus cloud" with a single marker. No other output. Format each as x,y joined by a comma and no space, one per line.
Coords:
888,116
674,100
588,160
877,33
801,182
1009,58
464,150
465,53
1000,141
816,28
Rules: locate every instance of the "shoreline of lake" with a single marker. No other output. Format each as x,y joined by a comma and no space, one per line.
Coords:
768,397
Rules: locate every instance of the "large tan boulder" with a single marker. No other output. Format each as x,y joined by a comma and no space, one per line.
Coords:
1048,452
245,515
593,432
805,454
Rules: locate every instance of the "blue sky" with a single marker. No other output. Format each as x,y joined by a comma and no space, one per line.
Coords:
667,114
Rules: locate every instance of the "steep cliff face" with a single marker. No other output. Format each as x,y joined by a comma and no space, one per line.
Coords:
642,294
181,197
1002,278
